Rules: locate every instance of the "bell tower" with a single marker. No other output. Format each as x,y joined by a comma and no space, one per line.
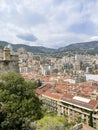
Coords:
6,54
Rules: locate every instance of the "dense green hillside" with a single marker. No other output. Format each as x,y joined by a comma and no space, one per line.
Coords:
84,47
34,49
3,43
81,46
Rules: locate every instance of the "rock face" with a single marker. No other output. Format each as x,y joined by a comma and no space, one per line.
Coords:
8,62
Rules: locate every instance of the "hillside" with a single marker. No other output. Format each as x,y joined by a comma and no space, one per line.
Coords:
34,49
83,47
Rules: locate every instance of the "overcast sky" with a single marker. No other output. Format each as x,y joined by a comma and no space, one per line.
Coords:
49,23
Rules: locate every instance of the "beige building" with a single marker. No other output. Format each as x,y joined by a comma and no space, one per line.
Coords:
75,107
78,107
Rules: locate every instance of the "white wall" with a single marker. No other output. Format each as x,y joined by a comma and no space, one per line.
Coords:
91,77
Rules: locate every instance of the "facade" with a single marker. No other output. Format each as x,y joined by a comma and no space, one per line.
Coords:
78,107
8,62
75,107
46,69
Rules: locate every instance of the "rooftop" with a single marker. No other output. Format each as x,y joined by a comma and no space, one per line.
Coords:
81,99
53,95
89,104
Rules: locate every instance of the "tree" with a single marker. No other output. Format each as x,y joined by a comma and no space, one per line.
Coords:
52,123
20,102
39,83
91,120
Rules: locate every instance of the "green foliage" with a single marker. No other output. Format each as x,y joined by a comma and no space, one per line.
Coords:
91,120
78,120
19,102
39,83
52,123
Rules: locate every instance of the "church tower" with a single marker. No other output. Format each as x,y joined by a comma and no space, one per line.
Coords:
6,54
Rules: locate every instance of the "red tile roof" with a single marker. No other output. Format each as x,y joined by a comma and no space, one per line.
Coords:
93,102
43,89
61,88
53,95
68,96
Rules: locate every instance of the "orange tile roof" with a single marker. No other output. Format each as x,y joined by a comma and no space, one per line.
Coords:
93,102
68,96
53,95
43,89
61,88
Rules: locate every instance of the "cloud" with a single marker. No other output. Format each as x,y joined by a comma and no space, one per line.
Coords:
94,38
85,27
27,37
54,23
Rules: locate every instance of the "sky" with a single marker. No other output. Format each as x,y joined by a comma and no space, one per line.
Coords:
49,23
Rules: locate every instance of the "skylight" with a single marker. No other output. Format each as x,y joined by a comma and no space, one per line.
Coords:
81,99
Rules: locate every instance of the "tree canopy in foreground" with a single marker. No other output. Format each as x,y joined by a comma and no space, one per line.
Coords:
19,102
50,122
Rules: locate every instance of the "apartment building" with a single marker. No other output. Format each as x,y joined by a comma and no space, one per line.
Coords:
74,107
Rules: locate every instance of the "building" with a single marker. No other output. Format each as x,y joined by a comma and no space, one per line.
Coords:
91,77
75,107
78,107
8,61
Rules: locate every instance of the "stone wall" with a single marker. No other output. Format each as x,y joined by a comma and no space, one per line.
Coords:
8,62
6,66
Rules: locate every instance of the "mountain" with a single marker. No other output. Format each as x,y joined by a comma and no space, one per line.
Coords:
34,49
83,47
3,43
